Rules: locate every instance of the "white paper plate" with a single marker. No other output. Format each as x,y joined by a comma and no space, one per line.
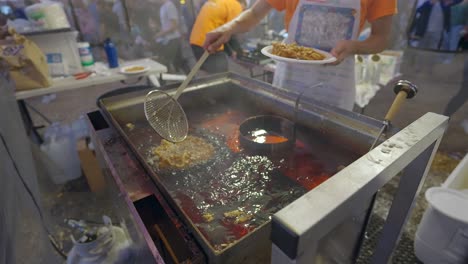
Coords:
125,70
328,57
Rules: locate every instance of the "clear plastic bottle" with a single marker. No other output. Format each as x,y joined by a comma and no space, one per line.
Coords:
80,128
359,71
375,68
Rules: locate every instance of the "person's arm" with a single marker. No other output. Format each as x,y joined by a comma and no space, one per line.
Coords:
174,18
173,28
243,23
377,41
424,6
449,3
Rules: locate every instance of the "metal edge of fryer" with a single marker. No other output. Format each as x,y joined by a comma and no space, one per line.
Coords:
157,182
297,231
309,108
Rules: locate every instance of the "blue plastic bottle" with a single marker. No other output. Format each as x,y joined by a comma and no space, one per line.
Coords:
111,52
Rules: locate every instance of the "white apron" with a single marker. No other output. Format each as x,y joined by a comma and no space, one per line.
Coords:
321,24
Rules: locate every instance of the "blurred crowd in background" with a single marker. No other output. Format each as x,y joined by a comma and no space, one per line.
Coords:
440,25
132,25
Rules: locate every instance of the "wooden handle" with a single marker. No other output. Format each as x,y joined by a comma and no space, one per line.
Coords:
395,108
191,74
166,243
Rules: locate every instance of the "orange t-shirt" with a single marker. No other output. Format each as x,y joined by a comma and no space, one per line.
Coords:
371,10
213,14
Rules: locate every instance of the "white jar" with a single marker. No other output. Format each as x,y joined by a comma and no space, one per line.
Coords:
442,235
86,56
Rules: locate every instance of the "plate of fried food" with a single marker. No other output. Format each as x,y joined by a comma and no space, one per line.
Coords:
294,53
134,69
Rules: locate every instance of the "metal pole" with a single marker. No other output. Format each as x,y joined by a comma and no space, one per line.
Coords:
75,18
29,125
127,15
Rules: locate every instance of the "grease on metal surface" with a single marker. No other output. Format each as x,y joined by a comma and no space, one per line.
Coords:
257,186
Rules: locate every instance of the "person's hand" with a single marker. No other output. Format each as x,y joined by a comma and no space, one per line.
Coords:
342,50
216,38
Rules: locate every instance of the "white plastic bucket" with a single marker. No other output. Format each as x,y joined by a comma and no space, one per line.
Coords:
442,236
458,179
60,147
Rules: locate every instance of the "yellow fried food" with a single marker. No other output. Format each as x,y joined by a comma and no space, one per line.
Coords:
135,69
239,216
233,214
192,151
295,51
208,217
130,126
243,218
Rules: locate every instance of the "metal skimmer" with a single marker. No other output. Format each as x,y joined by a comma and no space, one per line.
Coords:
165,114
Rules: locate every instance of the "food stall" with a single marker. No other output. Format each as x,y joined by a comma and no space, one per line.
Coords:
300,192
305,205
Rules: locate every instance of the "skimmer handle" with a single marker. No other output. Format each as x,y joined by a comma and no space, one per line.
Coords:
404,90
191,74
395,108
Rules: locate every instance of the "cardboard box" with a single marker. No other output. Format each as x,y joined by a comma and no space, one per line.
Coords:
91,168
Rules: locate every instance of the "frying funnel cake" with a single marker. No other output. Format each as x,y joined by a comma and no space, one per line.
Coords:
190,152
293,51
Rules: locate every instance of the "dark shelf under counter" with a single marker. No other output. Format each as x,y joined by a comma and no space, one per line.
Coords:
44,32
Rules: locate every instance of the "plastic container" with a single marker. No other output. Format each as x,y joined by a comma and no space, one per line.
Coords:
442,236
60,147
80,129
375,69
48,15
63,44
111,52
458,179
86,56
112,246
57,65
360,69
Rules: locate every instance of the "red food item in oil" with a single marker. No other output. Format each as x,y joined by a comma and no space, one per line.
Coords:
233,141
275,139
227,125
268,139
238,230
305,168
